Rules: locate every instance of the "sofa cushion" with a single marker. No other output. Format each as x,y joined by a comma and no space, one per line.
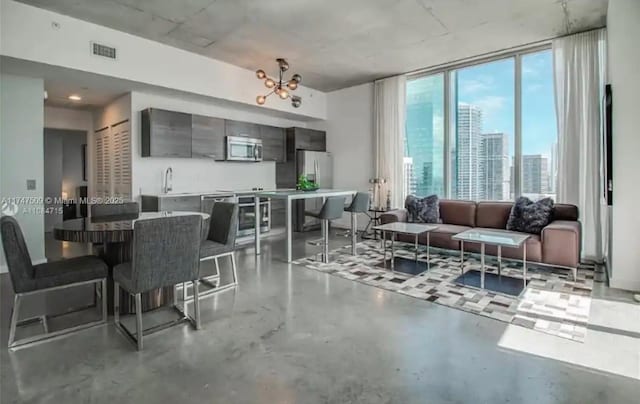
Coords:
530,217
422,210
462,213
493,215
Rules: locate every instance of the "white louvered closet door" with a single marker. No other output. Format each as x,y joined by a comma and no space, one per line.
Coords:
121,161
102,164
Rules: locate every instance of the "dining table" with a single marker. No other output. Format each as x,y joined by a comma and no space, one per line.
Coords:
289,196
114,236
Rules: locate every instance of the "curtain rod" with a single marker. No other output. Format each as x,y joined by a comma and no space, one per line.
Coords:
485,56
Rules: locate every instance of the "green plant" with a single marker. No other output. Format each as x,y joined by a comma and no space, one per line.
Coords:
305,184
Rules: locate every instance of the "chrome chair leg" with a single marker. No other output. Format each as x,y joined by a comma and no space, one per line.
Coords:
354,233
139,329
15,312
104,300
196,304
234,268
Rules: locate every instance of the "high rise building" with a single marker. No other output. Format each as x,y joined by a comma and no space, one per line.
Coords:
468,178
424,139
495,171
553,168
535,175
409,186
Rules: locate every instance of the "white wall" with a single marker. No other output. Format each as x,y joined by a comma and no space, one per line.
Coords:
27,33
22,155
349,129
197,175
66,118
623,26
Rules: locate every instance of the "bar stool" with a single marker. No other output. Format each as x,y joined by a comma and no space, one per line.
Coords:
332,209
359,204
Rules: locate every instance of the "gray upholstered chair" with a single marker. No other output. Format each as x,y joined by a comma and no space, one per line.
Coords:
220,241
114,209
166,252
359,204
28,279
332,209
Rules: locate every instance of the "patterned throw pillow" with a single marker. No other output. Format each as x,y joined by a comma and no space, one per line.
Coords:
425,210
530,217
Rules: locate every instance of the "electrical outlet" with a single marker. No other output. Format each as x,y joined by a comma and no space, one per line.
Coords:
31,185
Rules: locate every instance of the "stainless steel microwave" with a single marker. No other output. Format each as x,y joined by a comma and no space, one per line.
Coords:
244,148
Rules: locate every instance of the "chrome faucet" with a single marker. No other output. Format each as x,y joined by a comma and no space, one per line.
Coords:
168,180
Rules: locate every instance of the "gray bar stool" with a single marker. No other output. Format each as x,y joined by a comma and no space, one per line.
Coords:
331,210
28,279
359,204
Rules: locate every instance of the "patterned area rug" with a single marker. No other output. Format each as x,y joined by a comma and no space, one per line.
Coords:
551,303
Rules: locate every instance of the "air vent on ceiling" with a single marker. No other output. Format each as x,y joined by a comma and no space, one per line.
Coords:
103,50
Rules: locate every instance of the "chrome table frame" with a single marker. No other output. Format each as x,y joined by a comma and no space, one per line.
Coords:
36,339
482,243
384,231
288,196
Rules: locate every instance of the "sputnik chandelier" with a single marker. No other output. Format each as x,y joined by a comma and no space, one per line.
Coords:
281,88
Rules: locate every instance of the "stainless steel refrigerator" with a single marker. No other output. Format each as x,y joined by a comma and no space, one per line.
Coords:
318,167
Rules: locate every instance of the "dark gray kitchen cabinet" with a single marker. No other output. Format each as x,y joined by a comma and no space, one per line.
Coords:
207,138
273,143
244,129
309,139
165,133
170,203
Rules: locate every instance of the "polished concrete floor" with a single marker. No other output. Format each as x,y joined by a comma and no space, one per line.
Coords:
293,335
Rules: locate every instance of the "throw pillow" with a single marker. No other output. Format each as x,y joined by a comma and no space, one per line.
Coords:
423,210
530,217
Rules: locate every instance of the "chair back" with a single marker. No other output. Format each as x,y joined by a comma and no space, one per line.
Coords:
114,209
16,253
166,251
333,208
360,203
223,223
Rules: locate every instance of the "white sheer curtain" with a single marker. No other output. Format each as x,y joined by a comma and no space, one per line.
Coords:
579,77
389,128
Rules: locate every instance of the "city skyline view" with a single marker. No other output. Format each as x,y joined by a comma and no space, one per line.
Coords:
482,146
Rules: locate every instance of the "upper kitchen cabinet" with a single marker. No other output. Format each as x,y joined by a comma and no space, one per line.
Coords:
305,139
273,143
208,137
165,133
245,129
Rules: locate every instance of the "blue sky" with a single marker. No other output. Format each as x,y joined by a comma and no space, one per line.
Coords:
491,87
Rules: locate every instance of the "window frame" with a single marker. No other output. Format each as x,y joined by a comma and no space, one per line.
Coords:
449,117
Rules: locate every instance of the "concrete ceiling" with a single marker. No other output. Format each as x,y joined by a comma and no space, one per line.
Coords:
339,43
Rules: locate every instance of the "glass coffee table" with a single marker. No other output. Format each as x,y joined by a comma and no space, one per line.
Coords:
498,238
414,229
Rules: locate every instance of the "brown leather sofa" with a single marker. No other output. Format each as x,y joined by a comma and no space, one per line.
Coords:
557,245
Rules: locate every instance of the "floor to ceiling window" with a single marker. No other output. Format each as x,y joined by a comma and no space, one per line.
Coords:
485,131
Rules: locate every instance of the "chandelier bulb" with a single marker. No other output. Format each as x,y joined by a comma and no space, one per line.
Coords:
261,99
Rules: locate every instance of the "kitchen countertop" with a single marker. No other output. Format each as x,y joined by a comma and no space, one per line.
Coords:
178,194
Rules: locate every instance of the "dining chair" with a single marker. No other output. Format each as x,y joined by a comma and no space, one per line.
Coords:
219,242
28,279
166,252
359,204
332,209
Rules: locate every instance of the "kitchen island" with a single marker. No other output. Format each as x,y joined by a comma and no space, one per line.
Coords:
288,196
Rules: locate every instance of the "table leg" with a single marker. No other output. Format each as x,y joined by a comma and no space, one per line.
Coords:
354,232
393,251
499,260
428,247
482,265
288,212
462,257
524,263
384,249
256,204
416,246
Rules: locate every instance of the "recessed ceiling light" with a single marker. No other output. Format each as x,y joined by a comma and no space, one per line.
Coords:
75,97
